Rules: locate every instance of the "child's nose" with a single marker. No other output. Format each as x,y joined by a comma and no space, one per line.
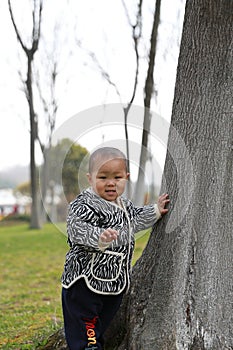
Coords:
111,182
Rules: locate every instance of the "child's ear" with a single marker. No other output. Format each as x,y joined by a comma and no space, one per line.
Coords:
127,175
89,178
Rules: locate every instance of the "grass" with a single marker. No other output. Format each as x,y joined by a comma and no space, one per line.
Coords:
31,265
141,240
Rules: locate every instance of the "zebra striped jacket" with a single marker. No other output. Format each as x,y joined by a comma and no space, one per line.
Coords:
106,270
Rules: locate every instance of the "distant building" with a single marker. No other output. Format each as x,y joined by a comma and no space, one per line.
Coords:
11,203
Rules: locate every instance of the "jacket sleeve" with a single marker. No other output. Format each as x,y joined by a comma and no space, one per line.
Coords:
82,227
145,217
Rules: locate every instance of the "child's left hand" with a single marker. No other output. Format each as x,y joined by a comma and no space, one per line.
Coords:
162,201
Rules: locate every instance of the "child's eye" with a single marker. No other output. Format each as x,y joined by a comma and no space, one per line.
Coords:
102,177
118,177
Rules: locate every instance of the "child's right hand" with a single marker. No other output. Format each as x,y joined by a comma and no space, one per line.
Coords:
109,235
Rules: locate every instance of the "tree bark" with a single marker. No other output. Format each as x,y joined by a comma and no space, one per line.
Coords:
181,293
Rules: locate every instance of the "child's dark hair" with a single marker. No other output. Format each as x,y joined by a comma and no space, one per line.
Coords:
107,153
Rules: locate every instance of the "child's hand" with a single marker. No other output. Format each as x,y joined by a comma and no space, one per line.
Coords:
162,201
108,235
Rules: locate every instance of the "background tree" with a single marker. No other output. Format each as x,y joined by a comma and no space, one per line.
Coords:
136,36
50,108
30,52
35,90
136,30
73,158
148,95
24,188
70,172
182,286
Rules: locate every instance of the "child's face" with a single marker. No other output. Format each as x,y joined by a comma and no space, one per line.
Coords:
109,179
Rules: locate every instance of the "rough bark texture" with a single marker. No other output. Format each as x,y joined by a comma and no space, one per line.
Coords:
181,295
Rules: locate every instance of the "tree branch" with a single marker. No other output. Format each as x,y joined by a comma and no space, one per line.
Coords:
136,35
36,26
25,49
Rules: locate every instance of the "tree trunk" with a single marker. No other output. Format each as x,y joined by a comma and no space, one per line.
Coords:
35,207
181,293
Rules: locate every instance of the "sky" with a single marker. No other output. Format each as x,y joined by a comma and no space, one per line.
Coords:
101,28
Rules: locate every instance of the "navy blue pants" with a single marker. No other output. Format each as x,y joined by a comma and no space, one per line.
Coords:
87,316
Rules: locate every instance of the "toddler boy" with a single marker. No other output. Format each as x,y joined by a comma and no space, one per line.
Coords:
101,225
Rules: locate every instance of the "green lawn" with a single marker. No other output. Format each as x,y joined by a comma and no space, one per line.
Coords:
31,264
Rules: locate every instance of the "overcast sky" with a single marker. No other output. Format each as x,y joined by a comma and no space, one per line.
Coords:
102,28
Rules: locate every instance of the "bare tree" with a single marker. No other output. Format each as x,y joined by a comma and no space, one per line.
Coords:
33,85
136,36
136,30
50,108
30,54
148,94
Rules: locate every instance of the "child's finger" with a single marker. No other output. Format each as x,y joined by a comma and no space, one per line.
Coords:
164,195
164,211
109,235
112,233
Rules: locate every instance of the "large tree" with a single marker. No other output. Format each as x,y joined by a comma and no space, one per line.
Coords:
181,294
